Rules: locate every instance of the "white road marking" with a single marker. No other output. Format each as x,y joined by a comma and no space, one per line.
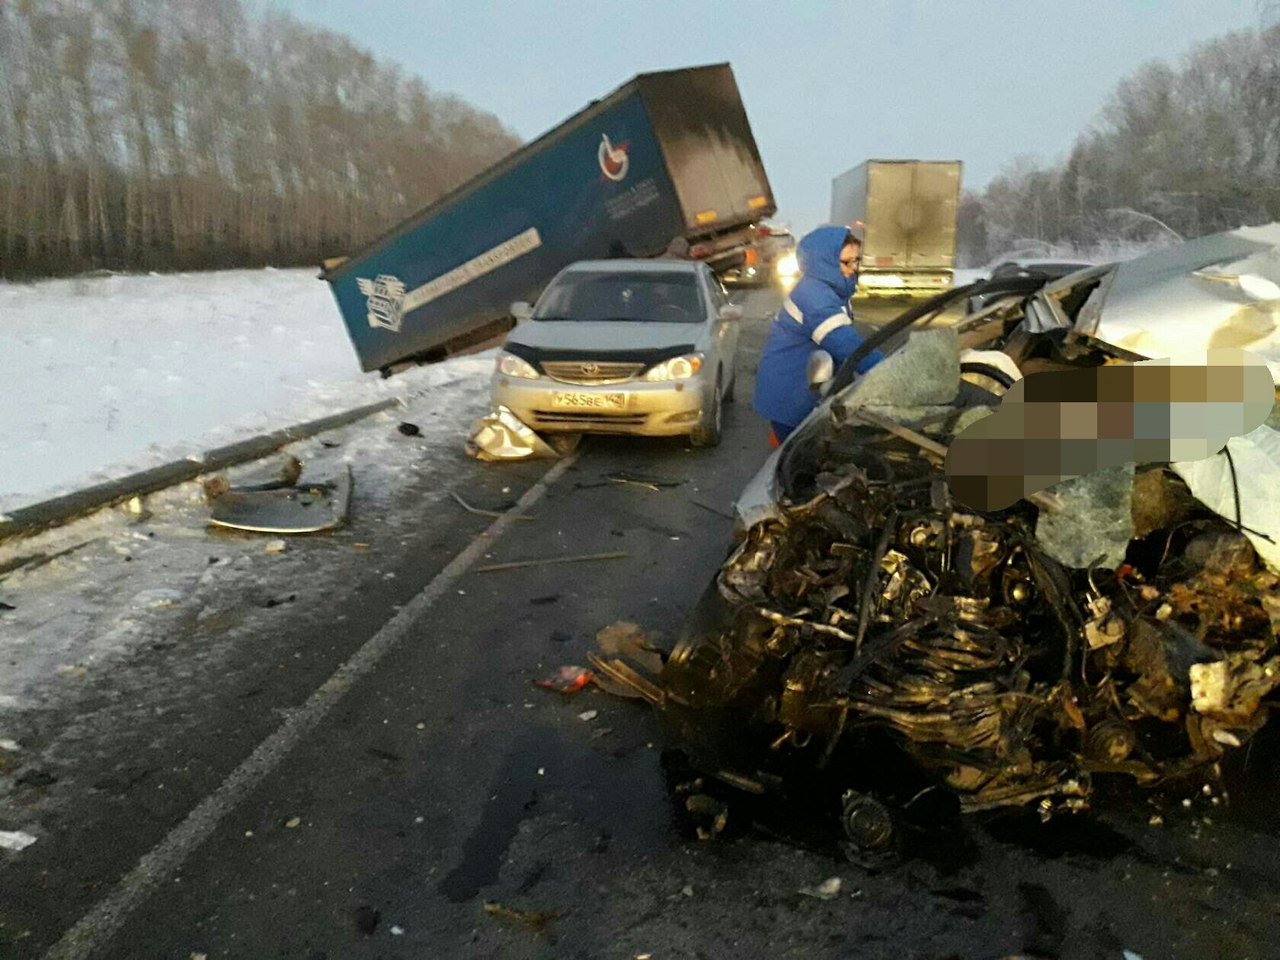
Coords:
96,927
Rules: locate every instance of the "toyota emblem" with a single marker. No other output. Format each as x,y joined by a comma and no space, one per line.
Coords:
590,369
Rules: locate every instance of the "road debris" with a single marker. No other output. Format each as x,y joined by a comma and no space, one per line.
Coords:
568,679
586,716
547,561
409,429
501,435
828,889
487,513
280,506
15,840
653,483
535,920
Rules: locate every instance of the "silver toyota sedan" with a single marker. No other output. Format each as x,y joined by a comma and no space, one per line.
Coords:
641,347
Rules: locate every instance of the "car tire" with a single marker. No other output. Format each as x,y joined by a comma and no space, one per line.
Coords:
707,433
728,391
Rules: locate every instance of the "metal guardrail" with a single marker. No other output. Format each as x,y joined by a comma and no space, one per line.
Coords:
25,521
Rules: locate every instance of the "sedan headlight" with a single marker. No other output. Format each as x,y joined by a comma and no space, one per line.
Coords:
788,266
513,366
677,368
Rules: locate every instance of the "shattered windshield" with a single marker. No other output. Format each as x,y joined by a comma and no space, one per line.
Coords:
662,297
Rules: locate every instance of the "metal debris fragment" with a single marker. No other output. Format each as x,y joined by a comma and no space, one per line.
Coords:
487,513
547,561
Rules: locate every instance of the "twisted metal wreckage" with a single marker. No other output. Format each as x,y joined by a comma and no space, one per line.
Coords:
871,630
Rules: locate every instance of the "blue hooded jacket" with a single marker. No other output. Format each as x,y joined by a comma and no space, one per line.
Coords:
816,315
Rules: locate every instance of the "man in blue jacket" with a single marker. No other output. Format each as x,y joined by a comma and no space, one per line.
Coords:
815,316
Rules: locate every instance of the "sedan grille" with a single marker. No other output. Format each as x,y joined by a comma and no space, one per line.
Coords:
591,371
586,418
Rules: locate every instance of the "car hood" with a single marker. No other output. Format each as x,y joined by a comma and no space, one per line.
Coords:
604,336
1183,300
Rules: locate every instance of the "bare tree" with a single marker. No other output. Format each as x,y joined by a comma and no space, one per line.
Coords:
1181,150
144,133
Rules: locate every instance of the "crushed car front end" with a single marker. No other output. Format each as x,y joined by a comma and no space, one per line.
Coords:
873,637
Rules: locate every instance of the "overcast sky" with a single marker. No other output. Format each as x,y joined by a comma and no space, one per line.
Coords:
826,84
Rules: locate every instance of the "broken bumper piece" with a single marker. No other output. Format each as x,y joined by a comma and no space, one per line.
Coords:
501,435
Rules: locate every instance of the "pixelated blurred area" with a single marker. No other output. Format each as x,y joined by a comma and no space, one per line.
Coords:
1058,424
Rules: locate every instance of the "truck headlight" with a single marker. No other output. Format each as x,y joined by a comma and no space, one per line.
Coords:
677,368
513,366
788,266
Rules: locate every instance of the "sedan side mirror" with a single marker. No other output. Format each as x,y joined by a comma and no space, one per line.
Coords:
731,312
521,310
819,371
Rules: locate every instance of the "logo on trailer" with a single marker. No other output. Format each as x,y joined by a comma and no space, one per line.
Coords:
386,301
613,160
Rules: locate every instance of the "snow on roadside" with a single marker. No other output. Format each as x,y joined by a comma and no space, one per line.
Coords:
107,375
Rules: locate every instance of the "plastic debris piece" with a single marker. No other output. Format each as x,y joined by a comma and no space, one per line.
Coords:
15,840
828,889
568,679
586,716
535,920
293,822
11,745
280,507
275,546
397,931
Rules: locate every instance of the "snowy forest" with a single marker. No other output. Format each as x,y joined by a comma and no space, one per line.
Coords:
144,134
1178,151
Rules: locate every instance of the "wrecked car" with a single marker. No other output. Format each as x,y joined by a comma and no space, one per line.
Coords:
873,637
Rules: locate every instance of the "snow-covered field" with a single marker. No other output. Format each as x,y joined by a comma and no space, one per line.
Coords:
106,375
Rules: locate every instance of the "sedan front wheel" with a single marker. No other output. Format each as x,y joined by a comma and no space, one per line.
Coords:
707,433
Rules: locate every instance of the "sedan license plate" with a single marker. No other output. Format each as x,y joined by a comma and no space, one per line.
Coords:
590,401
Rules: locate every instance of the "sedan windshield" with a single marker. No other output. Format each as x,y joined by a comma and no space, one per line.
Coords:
654,296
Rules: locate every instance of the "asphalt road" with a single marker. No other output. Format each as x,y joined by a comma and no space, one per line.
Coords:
430,776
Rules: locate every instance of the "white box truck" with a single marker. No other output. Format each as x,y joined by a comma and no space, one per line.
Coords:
905,211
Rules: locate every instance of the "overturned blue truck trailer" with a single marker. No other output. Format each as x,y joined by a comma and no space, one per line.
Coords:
667,155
